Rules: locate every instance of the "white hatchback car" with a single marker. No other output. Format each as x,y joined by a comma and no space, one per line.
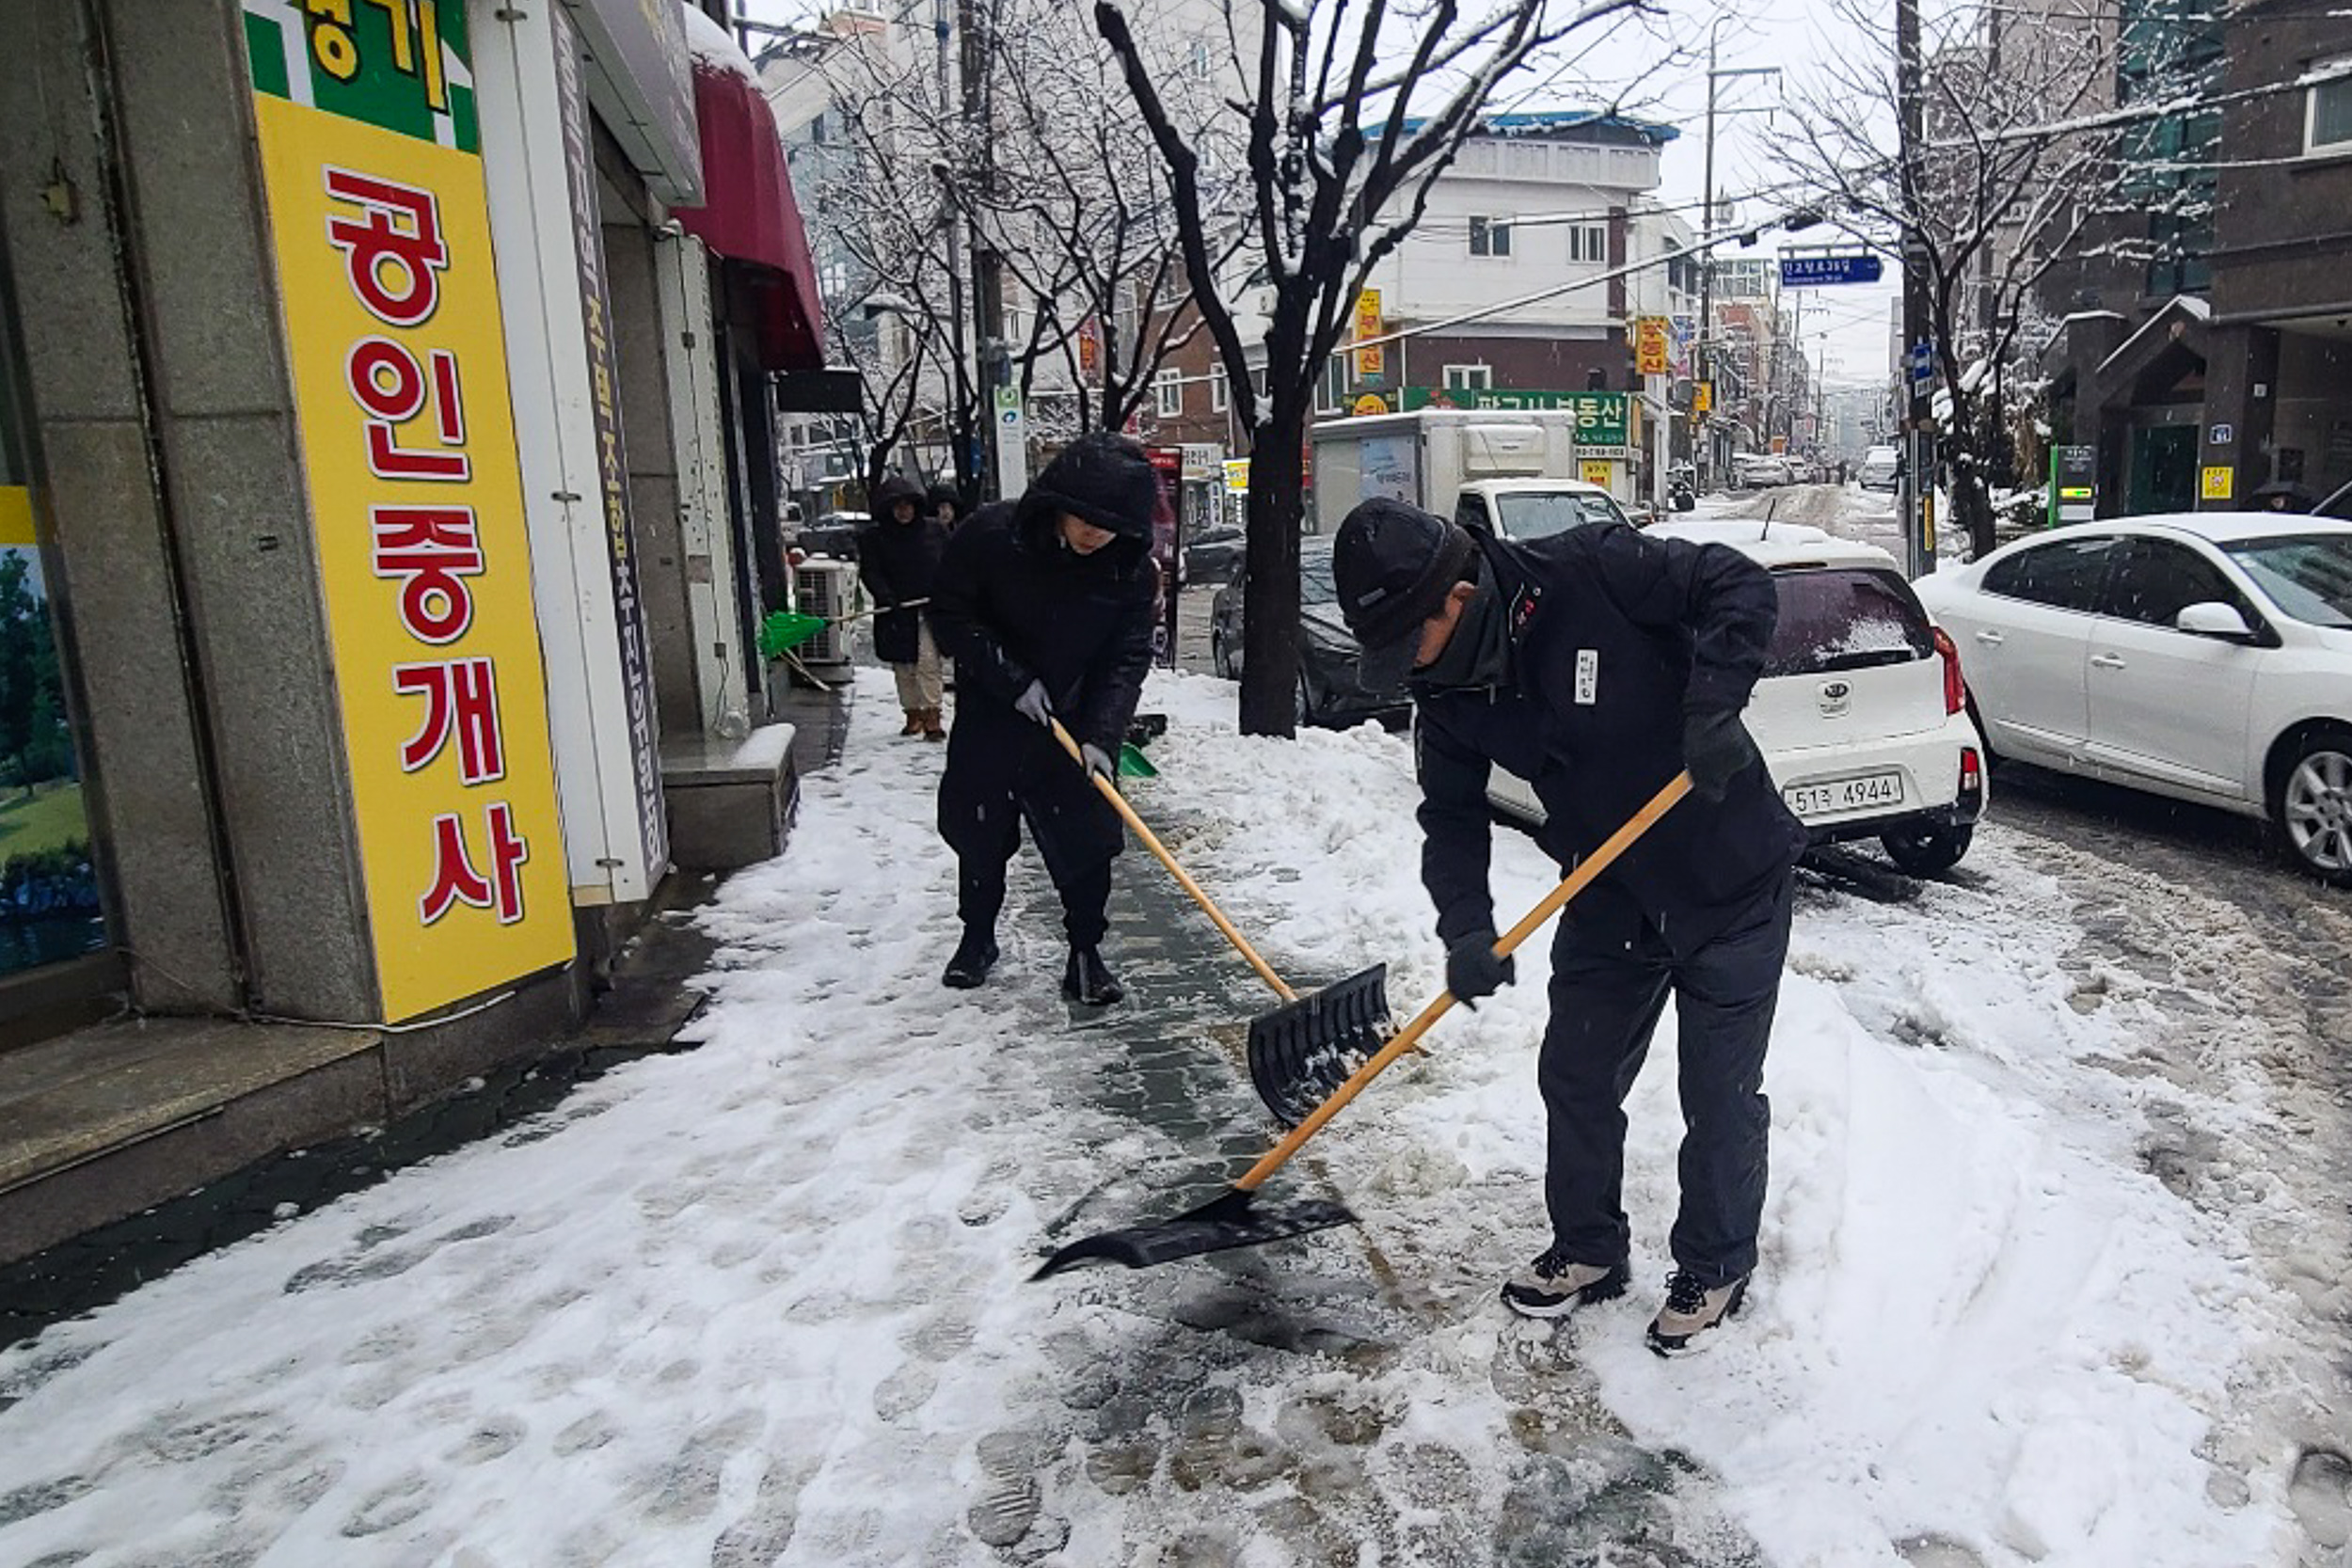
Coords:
2202,656
1859,713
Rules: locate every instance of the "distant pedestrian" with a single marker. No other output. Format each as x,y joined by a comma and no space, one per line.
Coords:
1047,605
1598,663
897,558
946,505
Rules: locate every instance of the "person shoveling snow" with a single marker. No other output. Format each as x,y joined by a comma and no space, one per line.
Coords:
1046,606
1598,663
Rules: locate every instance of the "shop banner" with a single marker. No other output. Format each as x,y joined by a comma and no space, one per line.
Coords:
371,158
604,381
1602,419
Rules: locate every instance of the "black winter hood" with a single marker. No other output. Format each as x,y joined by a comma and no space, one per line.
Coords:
893,490
1104,478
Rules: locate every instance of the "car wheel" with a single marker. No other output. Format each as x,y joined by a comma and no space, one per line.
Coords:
1928,851
2310,804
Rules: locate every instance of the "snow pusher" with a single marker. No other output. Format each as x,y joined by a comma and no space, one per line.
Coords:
786,629
1233,1218
1341,1024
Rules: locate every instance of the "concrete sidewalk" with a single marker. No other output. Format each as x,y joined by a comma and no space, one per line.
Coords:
113,1137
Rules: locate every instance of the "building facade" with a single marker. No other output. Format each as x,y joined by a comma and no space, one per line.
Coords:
2214,357
378,559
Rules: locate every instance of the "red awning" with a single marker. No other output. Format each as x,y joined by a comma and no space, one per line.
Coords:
749,214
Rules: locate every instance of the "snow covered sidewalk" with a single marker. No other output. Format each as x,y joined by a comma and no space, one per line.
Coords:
766,1302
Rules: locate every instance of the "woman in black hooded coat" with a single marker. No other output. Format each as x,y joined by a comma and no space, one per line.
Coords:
1047,605
897,557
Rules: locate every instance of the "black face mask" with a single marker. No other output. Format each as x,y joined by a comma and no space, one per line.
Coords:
1479,653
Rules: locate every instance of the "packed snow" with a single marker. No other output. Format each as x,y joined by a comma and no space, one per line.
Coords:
766,1300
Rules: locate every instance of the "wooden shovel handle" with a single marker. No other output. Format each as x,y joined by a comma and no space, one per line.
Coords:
1151,842
1405,1039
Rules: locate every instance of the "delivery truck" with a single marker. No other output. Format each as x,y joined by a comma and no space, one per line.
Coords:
1519,472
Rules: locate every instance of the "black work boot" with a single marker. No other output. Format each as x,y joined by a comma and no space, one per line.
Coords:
976,955
1088,979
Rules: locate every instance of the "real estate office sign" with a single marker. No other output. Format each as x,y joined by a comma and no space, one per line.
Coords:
370,153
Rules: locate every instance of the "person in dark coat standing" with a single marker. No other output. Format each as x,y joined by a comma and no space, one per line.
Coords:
1597,664
1046,606
946,505
897,558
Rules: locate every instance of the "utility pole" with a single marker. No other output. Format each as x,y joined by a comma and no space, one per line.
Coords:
960,391
1703,427
988,287
1918,494
1703,441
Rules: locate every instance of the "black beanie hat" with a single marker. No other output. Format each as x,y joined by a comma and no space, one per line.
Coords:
1104,478
1393,564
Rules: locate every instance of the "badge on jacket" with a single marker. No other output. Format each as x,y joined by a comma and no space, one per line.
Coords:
1587,676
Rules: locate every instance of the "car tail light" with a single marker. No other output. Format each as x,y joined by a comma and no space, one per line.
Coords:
1955,691
1971,772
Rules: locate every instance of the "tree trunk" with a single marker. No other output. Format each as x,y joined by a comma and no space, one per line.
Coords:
1972,501
1269,675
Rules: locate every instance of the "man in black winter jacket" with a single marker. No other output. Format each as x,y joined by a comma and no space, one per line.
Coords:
1597,664
1046,606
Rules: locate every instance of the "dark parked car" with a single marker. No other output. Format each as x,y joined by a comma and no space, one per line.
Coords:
833,533
1331,684
1214,555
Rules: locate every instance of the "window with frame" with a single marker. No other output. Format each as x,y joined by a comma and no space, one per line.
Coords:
2154,579
1588,242
1167,393
1469,378
1331,386
2064,576
1489,236
1220,392
2328,120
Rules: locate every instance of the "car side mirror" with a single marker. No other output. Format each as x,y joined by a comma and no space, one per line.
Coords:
2215,619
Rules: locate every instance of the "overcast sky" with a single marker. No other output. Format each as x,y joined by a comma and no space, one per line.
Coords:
1848,325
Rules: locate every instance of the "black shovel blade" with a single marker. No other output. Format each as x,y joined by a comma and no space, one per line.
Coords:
1233,1220
1303,1050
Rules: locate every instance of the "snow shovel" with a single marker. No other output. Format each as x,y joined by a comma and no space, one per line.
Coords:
1342,1022
1233,1218
786,629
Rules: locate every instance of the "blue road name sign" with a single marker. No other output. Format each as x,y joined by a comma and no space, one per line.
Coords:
1807,272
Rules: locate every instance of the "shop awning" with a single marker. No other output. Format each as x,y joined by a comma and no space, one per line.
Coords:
749,215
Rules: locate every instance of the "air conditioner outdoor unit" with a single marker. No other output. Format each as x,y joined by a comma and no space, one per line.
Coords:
826,588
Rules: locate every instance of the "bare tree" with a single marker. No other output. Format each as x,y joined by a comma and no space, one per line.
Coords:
1353,112
2026,168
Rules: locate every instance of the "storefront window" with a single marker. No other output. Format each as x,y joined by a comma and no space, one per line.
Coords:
48,909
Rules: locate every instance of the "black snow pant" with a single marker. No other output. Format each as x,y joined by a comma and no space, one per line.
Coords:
998,776
1608,989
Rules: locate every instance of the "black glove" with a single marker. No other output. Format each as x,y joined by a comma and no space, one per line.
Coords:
1472,971
1715,748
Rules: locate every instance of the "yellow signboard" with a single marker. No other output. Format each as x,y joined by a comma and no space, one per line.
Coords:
1238,476
1703,398
1368,403
1369,361
391,316
1596,471
2218,482
1652,345
16,516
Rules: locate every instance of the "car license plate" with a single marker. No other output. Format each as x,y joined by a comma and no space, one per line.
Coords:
1844,794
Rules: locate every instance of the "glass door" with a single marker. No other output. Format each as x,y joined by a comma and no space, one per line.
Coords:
49,887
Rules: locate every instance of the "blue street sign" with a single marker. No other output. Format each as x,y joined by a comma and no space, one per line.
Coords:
1809,272
1922,359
